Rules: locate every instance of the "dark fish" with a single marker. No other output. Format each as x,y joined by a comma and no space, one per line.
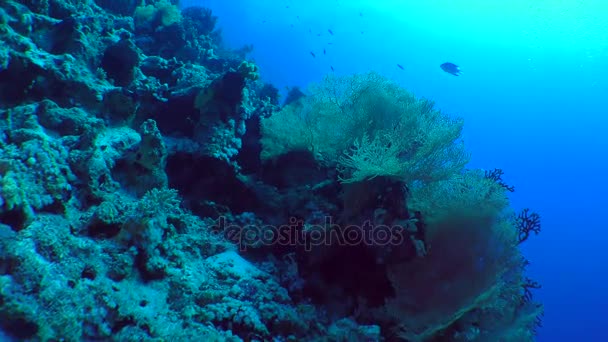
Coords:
330,32
324,52
400,66
313,54
451,68
332,68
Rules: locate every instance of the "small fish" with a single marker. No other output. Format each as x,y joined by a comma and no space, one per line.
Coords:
332,68
400,66
330,31
324,52
313,54
451,68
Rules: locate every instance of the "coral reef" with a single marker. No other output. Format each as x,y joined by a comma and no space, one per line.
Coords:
368,126
152,189
445,263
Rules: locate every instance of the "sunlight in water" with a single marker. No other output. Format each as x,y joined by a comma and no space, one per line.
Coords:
556,23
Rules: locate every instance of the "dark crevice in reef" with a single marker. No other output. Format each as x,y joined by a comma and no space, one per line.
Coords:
249,155
119,62
19,77
19,327
350,271
15,218
183,115
293,169
201,180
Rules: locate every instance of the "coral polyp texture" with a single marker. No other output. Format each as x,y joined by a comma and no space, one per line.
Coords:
153,189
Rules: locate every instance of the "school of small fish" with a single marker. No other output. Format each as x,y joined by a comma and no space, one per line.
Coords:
447,67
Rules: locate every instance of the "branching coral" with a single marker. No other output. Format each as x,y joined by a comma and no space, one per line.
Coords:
527,223
368,126
161,13
496,175
202,19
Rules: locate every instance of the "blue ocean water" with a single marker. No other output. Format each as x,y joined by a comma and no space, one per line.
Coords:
532,93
